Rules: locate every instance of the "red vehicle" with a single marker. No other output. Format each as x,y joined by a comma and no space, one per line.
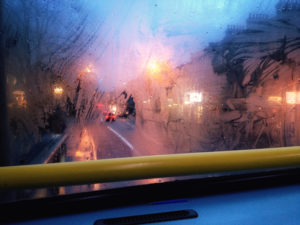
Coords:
110,117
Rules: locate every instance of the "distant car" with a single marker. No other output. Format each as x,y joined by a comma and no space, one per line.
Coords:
110,117
124,114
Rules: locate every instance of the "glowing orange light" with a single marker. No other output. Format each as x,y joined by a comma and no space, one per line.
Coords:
20,98
58,90
274,98
79,154
113,108
291,97
154,68
84,71
88,69
86,149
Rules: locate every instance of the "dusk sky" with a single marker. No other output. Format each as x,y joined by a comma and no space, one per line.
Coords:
132,33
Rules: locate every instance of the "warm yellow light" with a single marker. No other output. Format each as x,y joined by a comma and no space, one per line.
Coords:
114,109
84,71
19,93
79,154
154,68
20,98
58,90
86,149
274,98
293,97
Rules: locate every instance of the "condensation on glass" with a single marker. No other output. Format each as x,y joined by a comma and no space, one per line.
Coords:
89,80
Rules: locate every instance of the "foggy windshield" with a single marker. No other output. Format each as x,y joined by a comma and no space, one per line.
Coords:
90,80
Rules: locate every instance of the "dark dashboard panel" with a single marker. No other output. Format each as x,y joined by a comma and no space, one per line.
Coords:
269,206
262,198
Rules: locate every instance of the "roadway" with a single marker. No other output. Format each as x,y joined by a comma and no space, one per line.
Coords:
122,138
98,140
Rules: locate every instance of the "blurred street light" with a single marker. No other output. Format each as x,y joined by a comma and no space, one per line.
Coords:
154,68
86,148
84,71
293,97
193,97
274,99
160,71
196,97
113,109
20,98
58,90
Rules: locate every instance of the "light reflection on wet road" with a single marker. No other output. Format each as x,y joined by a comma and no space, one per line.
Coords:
100,140
95,141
